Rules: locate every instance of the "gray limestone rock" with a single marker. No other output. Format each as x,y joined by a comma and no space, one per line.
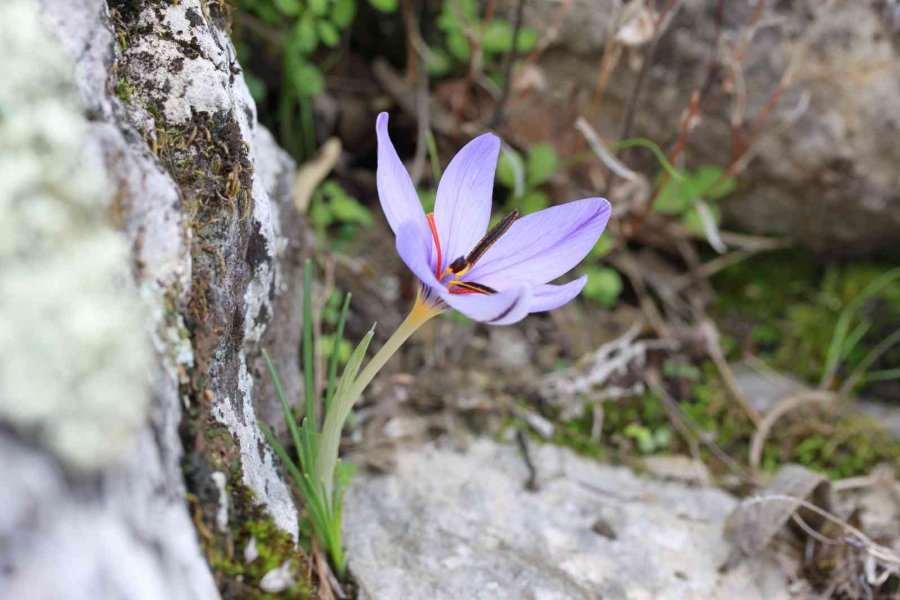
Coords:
448,524
155,218
826,170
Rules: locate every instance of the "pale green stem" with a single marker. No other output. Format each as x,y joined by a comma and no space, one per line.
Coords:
340,408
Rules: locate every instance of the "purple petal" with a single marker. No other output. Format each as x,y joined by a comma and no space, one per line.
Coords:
544,245
399,200
415,248
462,207
503,308
547,297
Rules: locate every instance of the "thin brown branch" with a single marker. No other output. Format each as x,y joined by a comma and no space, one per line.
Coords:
511,56
551,33
687,118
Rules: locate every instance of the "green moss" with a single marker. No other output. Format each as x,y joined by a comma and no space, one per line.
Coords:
784,305
124,91
239,579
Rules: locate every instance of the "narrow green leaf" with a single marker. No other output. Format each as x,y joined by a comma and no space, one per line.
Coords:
657,152
285,407
282,453
309,375
340,408
336,352
837,347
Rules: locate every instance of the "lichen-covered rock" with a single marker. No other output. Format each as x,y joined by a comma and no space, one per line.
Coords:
825,174
148,241
448,524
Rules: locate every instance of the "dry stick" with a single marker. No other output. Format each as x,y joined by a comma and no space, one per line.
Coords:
475,59
714,350
875,550
511,56
651,313
688,422
785,406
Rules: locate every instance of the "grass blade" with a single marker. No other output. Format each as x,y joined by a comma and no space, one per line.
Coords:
334,420
838,346
335,352
288,413
308,365
656,150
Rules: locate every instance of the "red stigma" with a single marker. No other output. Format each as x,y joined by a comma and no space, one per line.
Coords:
437,244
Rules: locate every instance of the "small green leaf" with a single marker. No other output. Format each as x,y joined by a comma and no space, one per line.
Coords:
642,436
290,8
693,221
320,216
308,80
348,210
670,200
510,163
458,46
318,7
542,163
342,13
527,40
604,285
305,38
385,6
439,63
328,33
497,36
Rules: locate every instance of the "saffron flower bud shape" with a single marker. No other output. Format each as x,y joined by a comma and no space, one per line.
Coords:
496,276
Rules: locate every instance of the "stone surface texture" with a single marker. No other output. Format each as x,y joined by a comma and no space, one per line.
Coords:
159,153
825,173
448,524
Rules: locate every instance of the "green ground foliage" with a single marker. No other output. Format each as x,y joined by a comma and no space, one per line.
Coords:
784,306
836,442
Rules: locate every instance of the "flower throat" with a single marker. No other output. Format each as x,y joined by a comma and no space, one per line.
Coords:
461,265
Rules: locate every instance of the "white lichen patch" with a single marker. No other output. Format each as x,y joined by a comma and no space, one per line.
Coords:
256,457
73,348
199,59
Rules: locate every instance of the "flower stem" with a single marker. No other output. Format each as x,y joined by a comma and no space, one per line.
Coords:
341,406
418,316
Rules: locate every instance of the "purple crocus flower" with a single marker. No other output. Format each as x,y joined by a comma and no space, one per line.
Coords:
497,276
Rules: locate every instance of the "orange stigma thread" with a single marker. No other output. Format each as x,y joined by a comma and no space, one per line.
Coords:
437,244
